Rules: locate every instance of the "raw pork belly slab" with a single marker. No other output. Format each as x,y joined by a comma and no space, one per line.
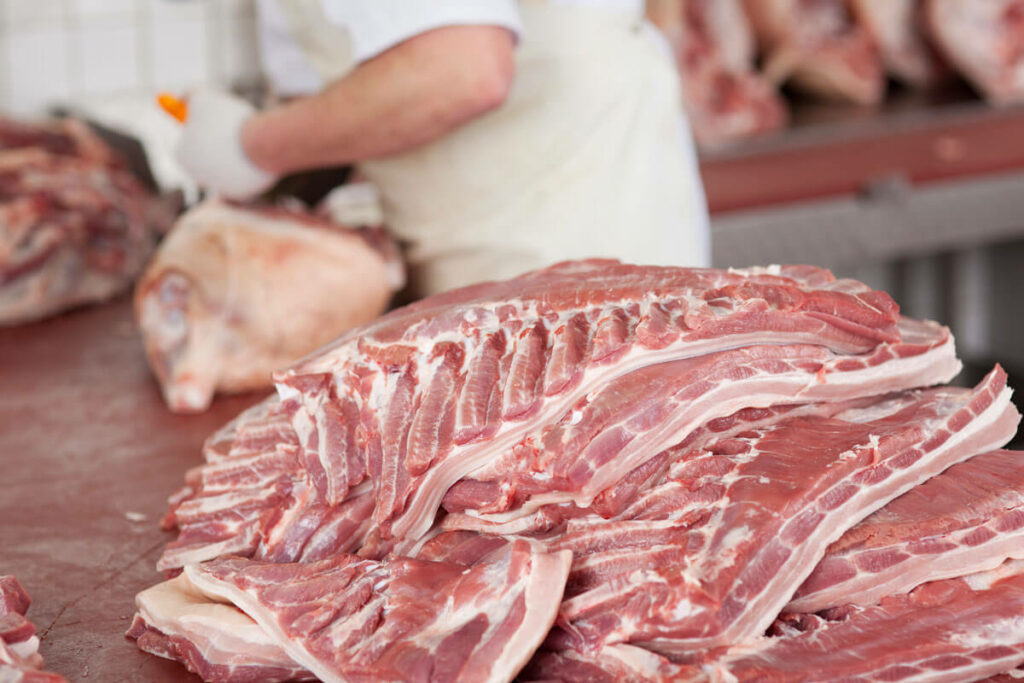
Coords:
402,619
19,656
214,640
710,556
984,40
434,391
968,519
682,446
211,302
75,226
67,136
614,500
818,47
905,638
619,426
962,629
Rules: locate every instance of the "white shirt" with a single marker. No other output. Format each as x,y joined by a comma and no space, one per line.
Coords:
374,26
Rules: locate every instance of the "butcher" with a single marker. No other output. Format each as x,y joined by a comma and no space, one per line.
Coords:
501,135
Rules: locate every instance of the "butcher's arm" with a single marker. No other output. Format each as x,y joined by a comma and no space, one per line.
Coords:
413,93
667,15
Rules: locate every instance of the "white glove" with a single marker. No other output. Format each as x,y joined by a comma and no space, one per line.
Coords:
210,148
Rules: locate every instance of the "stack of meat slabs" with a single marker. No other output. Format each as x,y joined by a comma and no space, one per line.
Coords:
599,471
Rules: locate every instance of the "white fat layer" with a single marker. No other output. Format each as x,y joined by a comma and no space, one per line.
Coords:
179,557
1006,631
26,648
984,580
219,590
222,633
285,392
543,594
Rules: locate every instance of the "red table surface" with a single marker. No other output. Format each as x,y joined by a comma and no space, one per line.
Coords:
85,440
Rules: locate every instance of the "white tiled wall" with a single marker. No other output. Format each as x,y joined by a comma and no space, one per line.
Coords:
56,51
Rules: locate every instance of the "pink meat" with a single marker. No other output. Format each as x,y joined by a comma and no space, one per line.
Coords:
984,41
816,45
905,637
492,366
20,661
710,556
216,641
968,519
347,618
75,226
714,47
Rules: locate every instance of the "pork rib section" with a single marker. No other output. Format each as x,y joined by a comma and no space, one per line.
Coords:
212,639
713,554
619,427
211,301
402,619
966,520
905,638
252,499
432,392
962,629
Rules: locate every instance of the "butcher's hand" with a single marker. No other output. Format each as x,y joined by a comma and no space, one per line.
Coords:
211,146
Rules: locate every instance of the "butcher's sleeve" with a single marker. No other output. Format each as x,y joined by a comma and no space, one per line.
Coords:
376,25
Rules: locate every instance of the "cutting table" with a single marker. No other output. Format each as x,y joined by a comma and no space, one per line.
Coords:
89,453
88,456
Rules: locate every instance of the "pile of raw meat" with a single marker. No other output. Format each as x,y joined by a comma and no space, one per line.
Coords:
211,301
600,471
19,645
836,49
76,226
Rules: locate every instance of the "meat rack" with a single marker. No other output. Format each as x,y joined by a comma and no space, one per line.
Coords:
923,198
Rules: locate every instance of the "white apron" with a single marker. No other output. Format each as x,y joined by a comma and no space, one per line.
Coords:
588,157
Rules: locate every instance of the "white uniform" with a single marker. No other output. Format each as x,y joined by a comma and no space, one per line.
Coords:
589,156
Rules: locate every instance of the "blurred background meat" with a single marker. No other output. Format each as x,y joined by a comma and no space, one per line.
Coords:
714,48
898,31
75,226
211,303
984,40
817,47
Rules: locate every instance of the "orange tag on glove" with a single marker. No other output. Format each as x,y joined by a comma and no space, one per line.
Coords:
174,106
